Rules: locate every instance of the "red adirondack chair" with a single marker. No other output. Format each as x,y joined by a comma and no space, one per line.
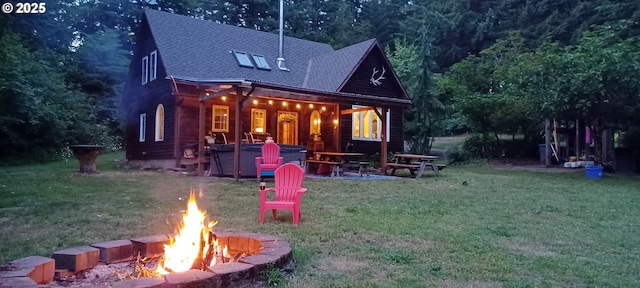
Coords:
288,192
270,160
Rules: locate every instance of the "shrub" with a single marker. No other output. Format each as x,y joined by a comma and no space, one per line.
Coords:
480,146
486,147
456,154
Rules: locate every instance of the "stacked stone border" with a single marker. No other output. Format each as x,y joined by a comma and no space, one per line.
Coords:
264,251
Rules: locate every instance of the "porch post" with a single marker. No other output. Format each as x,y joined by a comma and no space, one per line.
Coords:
176,135
238,135
383,146
336,128
201,139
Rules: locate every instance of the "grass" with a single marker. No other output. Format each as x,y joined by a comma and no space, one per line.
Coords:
501,229
443,143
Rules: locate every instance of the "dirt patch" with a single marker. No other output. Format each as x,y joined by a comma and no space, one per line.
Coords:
342,264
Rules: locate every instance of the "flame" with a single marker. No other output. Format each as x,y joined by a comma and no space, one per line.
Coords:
191,243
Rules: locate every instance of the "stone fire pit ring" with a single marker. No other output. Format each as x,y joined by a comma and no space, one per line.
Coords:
265,252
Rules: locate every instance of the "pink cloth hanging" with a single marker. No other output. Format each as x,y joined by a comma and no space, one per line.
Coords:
587,135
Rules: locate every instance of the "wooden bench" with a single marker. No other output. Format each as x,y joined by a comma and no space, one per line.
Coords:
361,166
335,166
412,167
439,166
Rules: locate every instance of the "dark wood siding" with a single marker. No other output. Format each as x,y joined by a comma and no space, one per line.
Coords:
140,99
190,117
189,111
304,115
359,82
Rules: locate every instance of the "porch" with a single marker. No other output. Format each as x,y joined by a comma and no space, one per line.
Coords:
309,119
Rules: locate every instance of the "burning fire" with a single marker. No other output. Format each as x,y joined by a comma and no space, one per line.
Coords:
195,246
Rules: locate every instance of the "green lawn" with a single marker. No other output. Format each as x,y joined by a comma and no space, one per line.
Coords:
501,229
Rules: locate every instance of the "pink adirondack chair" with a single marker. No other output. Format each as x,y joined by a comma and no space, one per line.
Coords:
270,160
288,192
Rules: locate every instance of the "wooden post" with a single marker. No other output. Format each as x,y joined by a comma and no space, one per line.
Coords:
238,134
178,151
547,142
336,130
383,147
201,124
607,136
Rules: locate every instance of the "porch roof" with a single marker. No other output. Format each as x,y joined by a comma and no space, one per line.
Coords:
291,92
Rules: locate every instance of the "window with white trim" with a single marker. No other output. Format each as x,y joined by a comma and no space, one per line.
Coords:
143,127
220,118
153,65
160,123
145,70
366,125
258,121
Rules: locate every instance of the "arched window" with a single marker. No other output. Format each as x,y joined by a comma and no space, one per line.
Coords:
314,122
160,123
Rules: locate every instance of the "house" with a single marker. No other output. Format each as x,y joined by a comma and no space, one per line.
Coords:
189,78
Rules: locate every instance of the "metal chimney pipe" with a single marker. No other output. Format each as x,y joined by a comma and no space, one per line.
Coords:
280,59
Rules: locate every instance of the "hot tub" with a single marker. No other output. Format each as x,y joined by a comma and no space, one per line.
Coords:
248,154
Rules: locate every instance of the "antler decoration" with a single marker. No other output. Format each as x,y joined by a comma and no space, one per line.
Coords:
376,81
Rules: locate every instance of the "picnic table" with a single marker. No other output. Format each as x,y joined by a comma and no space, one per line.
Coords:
414,162
336,160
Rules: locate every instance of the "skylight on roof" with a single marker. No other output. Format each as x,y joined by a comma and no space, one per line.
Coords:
261,62
243,59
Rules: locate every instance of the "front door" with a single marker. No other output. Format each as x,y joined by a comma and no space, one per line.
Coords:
287,128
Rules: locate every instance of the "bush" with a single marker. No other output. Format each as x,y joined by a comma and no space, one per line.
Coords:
486,147
456,154
480,146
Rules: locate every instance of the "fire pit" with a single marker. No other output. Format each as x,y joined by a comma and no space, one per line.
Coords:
195,257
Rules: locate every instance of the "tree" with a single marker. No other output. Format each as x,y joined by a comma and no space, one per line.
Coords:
415,67
596,81
39,114
479,89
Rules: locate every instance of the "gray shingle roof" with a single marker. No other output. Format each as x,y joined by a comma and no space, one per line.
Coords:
327,72
197,49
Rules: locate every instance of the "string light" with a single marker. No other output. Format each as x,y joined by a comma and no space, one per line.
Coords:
298,106
284,103
311,105
324,108
224,98
255,102
270,102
